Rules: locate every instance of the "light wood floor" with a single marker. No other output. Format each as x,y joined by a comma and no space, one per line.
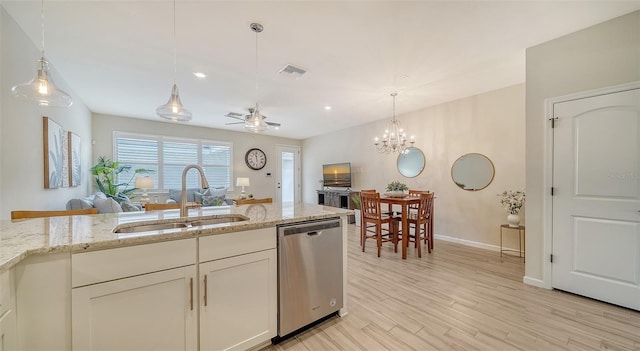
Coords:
461,298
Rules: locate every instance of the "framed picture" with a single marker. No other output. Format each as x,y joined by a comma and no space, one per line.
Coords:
56,167
75,171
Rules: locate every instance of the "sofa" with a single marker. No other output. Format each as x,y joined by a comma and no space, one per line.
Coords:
206,197
104,203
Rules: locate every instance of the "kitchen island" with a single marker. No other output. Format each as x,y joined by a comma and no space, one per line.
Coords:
54,270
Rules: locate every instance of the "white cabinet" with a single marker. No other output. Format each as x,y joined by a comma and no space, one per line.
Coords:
152,311
238,304
8,336
136,298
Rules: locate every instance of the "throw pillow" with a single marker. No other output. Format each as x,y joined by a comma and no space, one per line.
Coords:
210,200
198,195
107,205
78,204
219,192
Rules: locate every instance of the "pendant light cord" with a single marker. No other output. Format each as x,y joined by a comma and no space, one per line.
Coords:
42,24
256,69
175,60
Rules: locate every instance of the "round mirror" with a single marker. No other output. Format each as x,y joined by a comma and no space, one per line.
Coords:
472,172
411,162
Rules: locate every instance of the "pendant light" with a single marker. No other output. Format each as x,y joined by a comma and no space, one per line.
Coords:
256,123
41,89
173,109
394,138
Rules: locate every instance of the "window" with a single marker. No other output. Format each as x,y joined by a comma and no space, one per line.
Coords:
168,156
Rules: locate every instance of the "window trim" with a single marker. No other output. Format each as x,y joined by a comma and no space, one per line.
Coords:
161,139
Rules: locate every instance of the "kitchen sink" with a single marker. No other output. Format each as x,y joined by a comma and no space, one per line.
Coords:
150,227
179,223
222,220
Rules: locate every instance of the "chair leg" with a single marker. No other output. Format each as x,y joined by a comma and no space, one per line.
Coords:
418,243
363,236
379,237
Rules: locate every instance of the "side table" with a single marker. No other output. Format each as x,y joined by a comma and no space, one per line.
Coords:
521,239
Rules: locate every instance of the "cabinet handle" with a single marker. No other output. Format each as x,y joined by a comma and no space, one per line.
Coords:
205,290
191,294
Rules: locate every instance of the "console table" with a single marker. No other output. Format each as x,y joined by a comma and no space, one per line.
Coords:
338,198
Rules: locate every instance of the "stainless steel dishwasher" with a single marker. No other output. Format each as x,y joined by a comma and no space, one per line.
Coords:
309,272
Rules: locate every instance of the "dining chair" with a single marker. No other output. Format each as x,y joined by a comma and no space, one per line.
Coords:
21,214
370,207
420,221
363,225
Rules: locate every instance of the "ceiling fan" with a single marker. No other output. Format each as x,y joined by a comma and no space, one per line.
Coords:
254,121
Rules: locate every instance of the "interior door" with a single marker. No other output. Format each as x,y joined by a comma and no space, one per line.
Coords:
596,203
288,174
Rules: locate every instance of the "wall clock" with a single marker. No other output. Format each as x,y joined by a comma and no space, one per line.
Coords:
255,159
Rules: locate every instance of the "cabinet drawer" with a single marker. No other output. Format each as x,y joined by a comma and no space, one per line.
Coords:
99,266
215,247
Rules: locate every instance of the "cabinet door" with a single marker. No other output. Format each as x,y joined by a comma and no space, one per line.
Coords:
238,301
155,311
8,340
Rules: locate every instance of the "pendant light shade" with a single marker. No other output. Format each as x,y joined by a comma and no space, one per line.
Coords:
256,123
173,109
41,89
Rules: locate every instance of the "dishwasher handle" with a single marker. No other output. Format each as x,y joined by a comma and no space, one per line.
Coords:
307,228
314,233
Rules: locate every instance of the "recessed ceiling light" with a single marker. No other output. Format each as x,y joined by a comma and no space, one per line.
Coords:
327,107
199,74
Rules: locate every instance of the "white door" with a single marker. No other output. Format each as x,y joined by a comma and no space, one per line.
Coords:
288,174
155,311
238,301
596,178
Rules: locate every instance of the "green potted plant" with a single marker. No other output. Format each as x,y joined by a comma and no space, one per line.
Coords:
356,206
106,172
396,188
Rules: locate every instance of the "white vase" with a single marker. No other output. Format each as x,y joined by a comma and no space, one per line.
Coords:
513,220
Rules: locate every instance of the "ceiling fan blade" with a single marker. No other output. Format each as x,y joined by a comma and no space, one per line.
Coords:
273,124
235,115
227,124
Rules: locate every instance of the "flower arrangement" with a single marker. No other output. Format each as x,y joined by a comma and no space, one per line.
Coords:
512,200
396,186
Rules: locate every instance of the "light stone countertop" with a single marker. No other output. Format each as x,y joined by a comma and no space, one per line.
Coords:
22,238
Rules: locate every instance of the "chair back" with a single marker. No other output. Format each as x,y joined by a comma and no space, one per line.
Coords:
370,205
39,214
416,193
425,206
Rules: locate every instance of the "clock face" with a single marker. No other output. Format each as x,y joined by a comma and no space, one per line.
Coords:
255,159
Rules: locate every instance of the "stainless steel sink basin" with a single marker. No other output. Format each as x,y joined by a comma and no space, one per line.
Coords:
220,220
179,223
150,227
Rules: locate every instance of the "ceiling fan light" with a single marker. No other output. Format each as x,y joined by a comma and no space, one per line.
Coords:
173,109
41,89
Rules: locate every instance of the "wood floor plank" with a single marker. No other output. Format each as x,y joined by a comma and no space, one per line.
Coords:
460,298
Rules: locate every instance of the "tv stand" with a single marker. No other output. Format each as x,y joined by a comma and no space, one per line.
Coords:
337,198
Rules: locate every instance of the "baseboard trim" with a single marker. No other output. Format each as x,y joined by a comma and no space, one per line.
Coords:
467,242
534,282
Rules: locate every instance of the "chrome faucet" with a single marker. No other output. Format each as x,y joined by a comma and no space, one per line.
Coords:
183,199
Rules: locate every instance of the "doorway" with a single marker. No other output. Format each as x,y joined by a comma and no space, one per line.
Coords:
596,196
288,174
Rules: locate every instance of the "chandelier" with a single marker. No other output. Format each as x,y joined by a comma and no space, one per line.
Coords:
394,138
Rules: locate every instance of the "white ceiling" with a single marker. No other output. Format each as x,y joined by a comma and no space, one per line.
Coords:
117,56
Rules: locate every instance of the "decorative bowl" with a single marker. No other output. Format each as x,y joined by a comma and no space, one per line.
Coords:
395,194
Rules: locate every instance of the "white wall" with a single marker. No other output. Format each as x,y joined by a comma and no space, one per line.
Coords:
261,184
21,159
491,124
603,55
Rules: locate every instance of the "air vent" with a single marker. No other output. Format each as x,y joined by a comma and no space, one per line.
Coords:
292,71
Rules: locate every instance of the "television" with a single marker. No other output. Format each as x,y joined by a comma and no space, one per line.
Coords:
337,174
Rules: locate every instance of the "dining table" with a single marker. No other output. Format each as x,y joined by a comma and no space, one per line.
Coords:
403,201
